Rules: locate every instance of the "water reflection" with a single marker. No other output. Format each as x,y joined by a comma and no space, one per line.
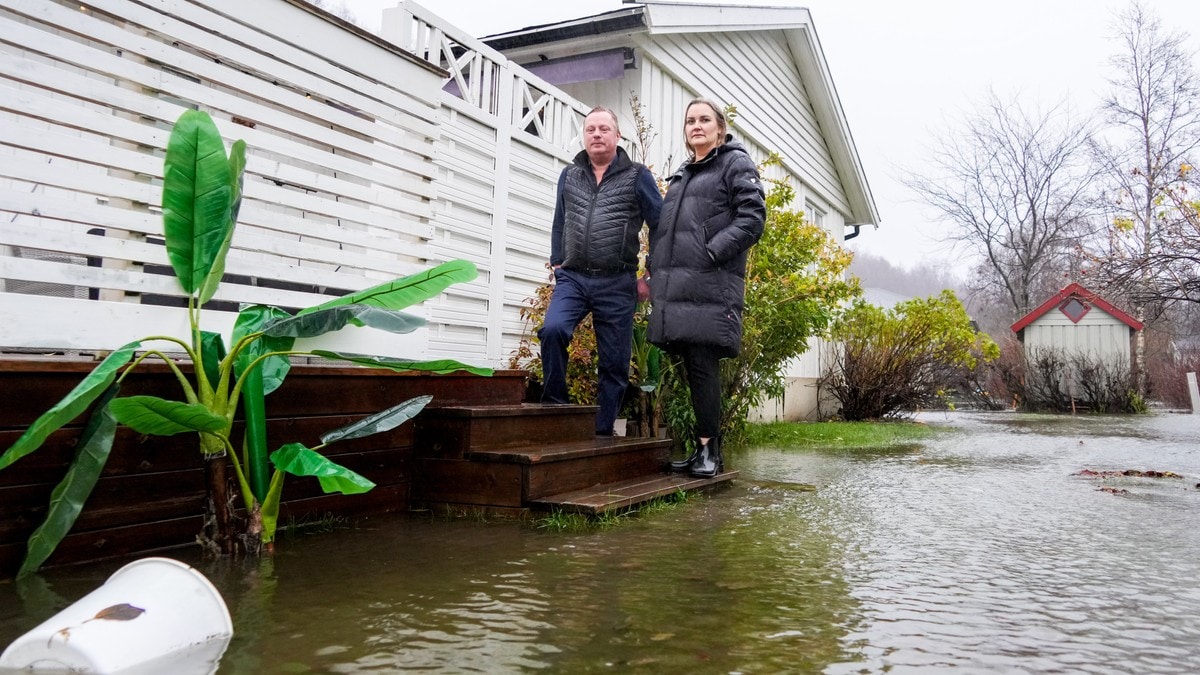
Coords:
981,550
733,581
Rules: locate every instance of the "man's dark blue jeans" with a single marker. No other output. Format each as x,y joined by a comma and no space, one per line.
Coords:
611,298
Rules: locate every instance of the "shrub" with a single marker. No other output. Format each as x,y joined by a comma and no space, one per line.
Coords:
893,361
1060,381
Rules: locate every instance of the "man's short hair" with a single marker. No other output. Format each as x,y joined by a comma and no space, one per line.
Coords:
613,115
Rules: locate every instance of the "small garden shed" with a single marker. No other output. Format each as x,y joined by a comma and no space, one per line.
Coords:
1078,322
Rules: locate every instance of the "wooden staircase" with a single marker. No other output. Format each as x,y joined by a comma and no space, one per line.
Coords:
524,456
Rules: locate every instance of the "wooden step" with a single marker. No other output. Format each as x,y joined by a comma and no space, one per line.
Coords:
626,493
562,467
512,477
449,432
560,450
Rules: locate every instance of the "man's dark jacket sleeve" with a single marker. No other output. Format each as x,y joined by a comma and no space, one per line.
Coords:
556,230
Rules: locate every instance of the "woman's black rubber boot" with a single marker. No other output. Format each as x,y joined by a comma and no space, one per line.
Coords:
709,463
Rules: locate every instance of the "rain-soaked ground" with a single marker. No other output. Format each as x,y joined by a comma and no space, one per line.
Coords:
980,551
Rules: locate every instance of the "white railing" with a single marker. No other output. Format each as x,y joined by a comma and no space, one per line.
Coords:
486,80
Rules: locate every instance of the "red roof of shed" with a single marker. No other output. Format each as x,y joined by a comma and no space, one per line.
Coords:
1075,290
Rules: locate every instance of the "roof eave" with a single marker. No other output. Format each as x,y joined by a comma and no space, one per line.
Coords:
618,21
665,17
1076,289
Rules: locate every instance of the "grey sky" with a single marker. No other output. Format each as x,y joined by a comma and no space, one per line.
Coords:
905,71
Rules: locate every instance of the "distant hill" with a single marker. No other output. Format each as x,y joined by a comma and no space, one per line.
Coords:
919,282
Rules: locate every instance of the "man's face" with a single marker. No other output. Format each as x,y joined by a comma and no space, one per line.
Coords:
600,137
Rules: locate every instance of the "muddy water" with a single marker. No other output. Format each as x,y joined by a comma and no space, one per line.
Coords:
978,551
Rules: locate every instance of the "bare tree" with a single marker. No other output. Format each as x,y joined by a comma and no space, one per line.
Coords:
1014,187
1166,271
1154,112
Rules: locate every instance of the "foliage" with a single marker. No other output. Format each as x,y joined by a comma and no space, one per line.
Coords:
1168,360
200,200
1159,266
795,280
838,434
893,361
650,372
1059,381
997,384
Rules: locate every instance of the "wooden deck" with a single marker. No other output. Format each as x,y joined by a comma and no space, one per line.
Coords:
477,445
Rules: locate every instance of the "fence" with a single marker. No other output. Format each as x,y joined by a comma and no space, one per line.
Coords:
367,160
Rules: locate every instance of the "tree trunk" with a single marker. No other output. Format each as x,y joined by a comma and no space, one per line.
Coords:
218,536
1139,354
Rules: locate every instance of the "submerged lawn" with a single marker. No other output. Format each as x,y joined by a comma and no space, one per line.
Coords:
840,434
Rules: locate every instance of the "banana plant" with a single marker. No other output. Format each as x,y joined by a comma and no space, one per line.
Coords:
202,189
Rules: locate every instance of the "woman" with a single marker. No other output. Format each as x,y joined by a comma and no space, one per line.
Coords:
713,213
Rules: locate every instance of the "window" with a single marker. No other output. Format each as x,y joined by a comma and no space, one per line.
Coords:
1074,308
813,213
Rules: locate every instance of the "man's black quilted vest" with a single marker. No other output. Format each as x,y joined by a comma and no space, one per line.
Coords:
601,222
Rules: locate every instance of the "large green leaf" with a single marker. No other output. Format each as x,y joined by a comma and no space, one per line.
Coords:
70,494
196,197
160,417
212,352
299,460
237,167
251,319
71,405
254,439
408,291
439,366
327,320
380,422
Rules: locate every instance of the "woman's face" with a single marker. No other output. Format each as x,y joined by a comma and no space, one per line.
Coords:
702,128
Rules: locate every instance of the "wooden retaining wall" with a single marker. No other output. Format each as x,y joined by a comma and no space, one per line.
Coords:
150,495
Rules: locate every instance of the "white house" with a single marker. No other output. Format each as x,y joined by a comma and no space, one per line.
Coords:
766,61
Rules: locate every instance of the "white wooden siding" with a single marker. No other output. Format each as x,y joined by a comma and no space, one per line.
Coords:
754,70
1098,335
339,178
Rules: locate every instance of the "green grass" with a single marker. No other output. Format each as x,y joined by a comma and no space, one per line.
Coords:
839,434
562,521
309,524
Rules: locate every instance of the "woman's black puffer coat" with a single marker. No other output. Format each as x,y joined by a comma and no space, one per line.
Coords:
713,213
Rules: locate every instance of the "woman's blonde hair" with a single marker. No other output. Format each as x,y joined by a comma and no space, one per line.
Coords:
717,112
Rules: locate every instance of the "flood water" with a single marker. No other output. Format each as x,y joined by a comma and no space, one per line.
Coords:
977,551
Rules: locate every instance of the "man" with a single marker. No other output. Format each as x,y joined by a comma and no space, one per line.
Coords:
603,199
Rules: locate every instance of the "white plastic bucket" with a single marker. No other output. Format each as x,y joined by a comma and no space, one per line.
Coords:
147,611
